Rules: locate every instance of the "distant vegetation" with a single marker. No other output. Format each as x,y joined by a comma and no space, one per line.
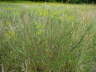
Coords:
65,1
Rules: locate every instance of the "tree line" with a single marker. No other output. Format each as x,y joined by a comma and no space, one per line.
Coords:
65,1
69,1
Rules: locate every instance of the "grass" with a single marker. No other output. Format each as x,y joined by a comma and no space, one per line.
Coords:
46,37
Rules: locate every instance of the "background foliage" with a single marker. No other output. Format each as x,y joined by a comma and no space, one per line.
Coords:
65,1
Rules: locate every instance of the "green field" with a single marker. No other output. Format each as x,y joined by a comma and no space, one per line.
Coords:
46,37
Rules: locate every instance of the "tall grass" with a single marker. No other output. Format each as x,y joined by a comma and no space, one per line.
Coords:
47,38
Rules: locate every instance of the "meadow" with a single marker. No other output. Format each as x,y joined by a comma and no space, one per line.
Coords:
47,37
